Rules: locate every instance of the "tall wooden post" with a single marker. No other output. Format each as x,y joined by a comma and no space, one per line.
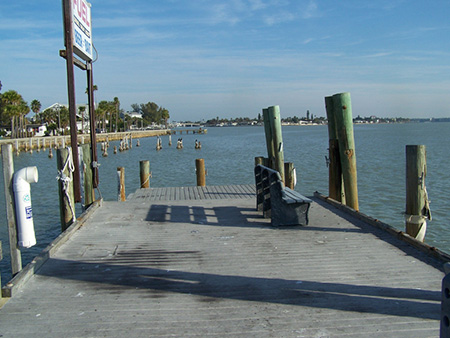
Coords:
66,195
200,171
93,135
89,195
269,139
71,95
335,184
417,208
275,121
1,257
144,167
342,107
121,184
8,172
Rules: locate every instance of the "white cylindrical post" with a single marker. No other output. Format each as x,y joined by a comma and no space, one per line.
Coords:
24,214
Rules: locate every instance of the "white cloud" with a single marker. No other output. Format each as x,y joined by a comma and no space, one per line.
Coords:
378,55
311,10
257,5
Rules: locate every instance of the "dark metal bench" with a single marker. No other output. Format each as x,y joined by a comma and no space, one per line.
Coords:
283,205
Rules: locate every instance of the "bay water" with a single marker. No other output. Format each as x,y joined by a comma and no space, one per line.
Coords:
229,154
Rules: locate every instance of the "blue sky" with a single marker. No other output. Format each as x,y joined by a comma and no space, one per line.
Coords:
201,59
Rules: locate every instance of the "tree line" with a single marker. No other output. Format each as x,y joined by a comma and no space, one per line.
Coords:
108,115
151,113
13,109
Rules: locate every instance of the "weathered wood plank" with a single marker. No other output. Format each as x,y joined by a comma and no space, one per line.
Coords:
214,267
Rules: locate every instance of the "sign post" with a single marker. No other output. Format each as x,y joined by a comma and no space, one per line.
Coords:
78,40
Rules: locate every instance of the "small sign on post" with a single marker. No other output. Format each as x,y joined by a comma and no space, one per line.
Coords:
82,29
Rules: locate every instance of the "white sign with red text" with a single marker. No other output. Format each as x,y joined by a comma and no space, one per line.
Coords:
82,29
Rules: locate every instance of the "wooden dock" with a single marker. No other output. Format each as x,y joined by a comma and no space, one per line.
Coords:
202,262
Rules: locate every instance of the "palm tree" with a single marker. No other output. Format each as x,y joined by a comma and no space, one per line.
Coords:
165,115
64,118
101,111
49,117
116,103
35,107
94,89
14,107
81,110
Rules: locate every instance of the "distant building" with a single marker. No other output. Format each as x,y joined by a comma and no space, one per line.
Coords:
56,106
133,114
37,129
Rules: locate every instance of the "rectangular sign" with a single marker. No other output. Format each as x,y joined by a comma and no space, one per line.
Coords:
82,29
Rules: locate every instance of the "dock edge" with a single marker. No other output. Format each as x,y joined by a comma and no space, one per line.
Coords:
26,273
403,236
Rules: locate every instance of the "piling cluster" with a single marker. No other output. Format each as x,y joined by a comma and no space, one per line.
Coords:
180,143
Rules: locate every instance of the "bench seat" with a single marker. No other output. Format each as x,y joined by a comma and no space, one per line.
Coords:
284,206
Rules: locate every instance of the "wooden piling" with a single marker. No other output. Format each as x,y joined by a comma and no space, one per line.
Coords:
121,184
417,207
144,169
65,185
200,172
261,160
1,257
8,172
275,122
342,108
335,183
290,178
89,194
269,138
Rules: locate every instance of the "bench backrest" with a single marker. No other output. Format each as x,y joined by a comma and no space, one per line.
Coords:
268,183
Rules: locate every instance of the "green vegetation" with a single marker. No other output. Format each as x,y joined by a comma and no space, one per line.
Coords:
13,109
109,117
56,118
151,113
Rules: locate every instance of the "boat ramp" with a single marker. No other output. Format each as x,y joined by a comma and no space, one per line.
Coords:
203,262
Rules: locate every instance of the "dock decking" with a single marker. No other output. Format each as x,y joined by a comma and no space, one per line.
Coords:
202,262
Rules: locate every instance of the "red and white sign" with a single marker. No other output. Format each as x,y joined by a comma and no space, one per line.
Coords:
82,29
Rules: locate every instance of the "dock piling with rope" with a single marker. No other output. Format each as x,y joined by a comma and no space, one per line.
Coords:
66,195
417,205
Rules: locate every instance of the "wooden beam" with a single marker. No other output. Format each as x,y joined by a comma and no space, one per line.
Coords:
80,64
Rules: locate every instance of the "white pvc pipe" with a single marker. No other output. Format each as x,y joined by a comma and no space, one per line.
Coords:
24,215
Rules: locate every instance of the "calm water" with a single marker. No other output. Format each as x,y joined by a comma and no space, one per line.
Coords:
229,156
